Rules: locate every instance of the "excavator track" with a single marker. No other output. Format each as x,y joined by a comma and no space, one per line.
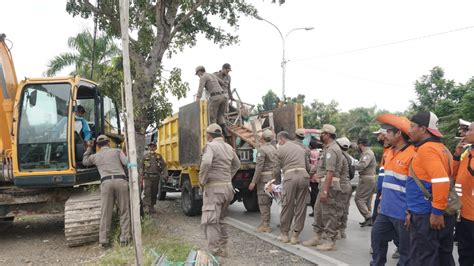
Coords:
82,218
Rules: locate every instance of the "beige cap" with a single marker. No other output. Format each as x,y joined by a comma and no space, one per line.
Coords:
329,129
102,138
214,128
200,68
300,132
267,134
344,142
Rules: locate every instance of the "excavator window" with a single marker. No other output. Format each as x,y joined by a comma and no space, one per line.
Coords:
42,132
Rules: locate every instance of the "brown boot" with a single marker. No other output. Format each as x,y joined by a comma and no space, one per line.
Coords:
316,240
295,238
283,238
329,245
264,228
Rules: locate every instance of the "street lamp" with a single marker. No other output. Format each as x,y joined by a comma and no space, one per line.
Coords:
283,58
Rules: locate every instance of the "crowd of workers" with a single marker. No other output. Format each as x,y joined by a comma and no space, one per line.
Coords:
415,206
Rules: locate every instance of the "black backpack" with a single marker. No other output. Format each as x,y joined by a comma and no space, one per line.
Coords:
351,166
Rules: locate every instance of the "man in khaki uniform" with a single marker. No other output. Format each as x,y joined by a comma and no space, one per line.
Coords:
291,158
219,163
299,137
113,188
366,187
217,99
153,169
329,170
263,174
346,189
224,80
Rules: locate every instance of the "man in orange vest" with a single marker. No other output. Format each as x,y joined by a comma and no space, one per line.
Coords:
431,230
464,172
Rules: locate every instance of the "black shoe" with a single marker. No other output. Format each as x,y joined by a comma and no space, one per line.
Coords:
367,222
104,246
311,214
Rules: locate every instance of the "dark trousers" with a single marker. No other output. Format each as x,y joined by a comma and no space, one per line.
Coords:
465,234
431,247
313,193
376,206
384,230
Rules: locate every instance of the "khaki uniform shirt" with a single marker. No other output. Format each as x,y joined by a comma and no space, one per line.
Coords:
265,162
109,161
219,162
306,148
224,82
331,159
345,179
290,156
211,84
367,163
154,164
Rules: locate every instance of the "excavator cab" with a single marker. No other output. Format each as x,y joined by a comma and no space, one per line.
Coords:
50,142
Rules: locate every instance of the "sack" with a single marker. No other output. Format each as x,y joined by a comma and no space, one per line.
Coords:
352,169
454,202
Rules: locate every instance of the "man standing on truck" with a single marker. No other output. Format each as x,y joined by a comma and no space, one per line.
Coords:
263,174
219,163
153,169
217,100
224,79
113,188
292,159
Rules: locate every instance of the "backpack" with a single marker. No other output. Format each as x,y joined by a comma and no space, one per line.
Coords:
352,169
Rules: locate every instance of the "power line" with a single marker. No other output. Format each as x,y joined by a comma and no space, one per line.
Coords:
386,44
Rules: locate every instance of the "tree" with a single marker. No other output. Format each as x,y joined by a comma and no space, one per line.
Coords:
85,54
166,26
270,101
319,113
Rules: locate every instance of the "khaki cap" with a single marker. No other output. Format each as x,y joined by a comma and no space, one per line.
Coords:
102,138
214,128
300,132
200,68
329,129
267,134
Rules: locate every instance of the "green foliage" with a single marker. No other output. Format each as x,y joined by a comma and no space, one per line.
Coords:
318,113
270,101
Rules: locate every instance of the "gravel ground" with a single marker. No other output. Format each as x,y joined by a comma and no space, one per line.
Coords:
244,249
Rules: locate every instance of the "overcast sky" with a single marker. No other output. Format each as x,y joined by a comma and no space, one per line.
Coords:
319,66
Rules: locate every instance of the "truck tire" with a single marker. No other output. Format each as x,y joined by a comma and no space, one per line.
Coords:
189,204
250,200
161,191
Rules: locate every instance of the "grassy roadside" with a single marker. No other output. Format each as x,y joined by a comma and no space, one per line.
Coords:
155,241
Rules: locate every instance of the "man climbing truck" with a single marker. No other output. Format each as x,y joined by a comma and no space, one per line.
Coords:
182,136
41,167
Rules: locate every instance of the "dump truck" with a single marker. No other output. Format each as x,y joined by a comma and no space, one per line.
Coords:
41,169
182,136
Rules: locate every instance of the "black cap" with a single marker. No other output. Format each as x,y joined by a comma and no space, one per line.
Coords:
80,109
226,66
363,141
428,120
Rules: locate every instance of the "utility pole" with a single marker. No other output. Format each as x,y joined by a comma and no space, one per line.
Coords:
132,152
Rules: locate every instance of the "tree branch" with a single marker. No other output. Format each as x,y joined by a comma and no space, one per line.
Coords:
180,23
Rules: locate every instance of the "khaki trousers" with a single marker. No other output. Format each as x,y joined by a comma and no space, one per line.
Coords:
364,193
150,190
295,196
114,191
216,200
326,220
217,106
264,203
343,203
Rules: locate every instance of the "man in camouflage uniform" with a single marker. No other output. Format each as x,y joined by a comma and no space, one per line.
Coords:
346,189
263,174
153,169
366,187
219,163
217,96
292,160
329,171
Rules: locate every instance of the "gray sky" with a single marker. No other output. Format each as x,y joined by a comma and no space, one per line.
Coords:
381,76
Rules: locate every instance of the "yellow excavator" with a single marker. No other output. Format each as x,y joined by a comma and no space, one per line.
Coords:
41,147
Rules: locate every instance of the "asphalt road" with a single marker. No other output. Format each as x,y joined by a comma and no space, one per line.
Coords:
354,250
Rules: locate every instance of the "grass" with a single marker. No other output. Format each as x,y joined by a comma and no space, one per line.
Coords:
154,241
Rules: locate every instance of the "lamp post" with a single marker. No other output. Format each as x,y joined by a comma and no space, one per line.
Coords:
283,58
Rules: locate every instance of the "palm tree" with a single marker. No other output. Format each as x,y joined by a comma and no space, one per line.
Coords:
85,55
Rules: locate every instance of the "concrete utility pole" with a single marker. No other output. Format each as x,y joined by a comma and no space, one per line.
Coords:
283,58
132,152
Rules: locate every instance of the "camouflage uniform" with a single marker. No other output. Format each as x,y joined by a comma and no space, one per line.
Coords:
153,169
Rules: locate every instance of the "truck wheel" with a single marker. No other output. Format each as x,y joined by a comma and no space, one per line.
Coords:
161,191
7,219
250,200
189,204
